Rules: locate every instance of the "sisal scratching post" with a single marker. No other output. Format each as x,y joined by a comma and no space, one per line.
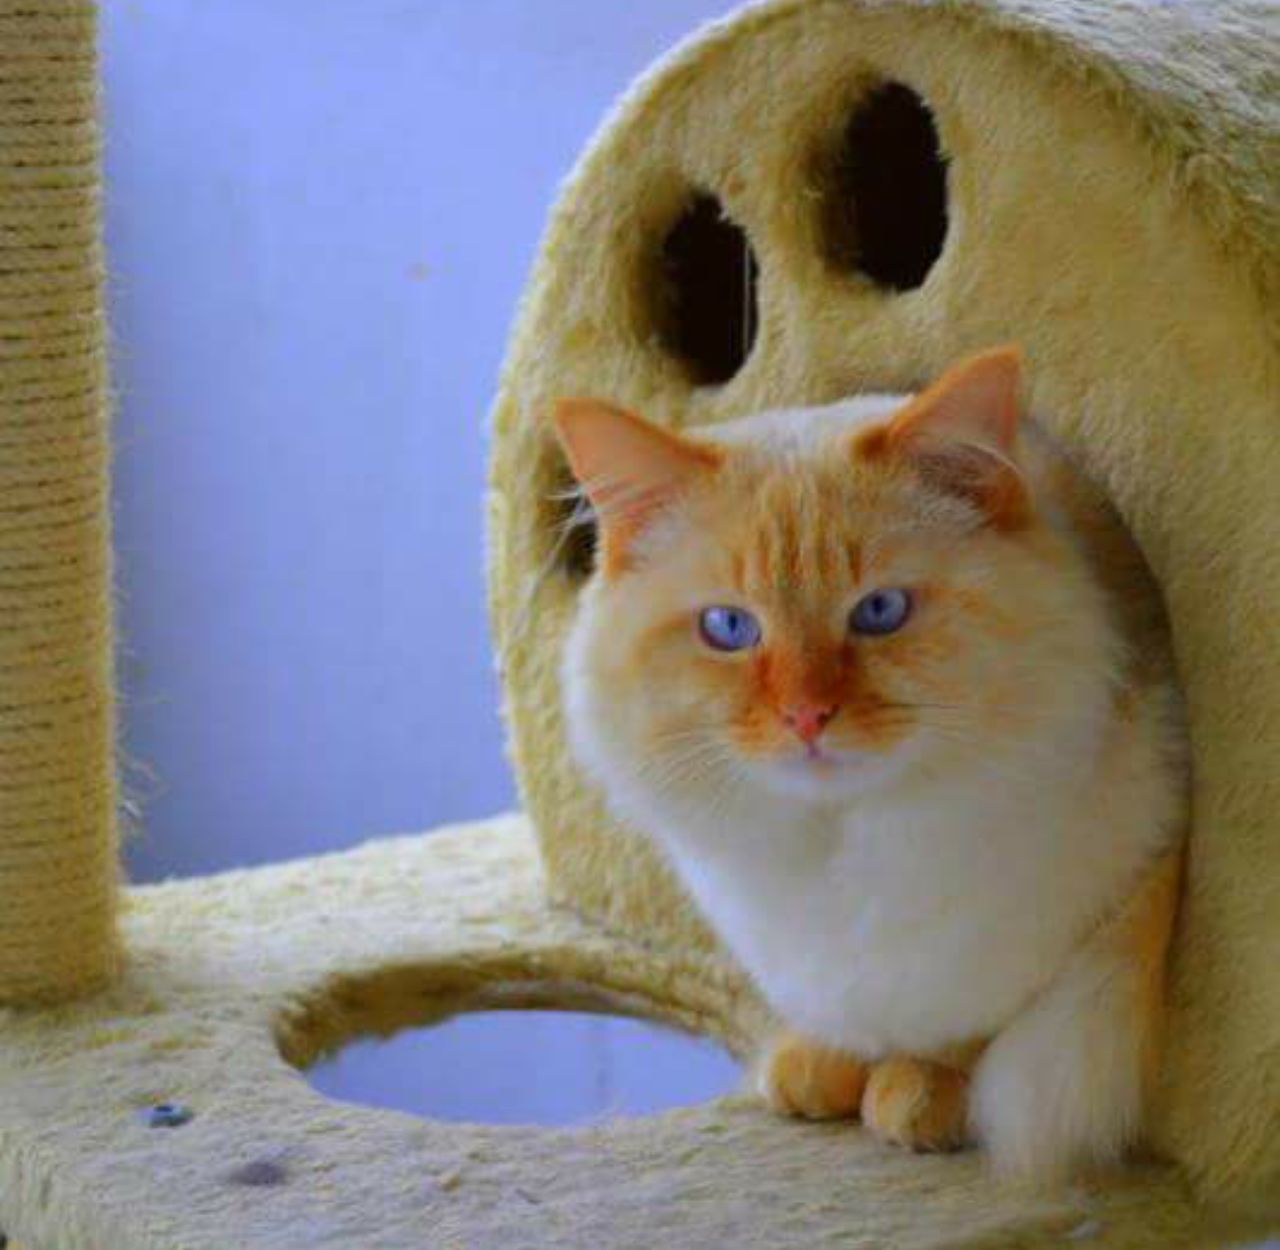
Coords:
57,784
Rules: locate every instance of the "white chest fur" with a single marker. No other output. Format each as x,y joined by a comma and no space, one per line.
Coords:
909,925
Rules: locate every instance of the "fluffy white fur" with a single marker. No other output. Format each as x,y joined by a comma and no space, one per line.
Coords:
931,899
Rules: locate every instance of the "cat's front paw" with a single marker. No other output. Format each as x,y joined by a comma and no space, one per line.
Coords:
918,1104
801,1077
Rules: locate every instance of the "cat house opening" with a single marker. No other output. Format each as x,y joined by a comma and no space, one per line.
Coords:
530,1067
575,533
707,292
886,203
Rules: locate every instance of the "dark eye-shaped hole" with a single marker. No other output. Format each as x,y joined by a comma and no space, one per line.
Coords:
886,205
574,530
707,301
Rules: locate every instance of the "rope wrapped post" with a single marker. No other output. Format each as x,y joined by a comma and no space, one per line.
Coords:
58,869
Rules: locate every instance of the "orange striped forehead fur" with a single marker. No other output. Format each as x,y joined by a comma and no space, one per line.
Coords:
797,527
793,529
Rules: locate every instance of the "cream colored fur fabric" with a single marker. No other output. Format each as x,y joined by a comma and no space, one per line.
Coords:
1113,206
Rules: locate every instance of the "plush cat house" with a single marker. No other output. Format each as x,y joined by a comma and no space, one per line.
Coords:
812,198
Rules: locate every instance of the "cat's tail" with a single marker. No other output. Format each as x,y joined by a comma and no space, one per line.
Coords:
1064,1088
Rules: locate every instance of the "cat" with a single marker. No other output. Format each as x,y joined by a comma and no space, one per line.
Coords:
891,687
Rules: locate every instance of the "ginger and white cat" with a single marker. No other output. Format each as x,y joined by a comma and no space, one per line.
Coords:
891,687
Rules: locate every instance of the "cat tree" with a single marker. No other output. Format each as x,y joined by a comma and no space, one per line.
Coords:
813,197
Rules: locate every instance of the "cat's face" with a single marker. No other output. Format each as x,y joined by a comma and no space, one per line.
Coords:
814,606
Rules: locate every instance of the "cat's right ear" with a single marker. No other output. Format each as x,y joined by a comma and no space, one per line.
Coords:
629,468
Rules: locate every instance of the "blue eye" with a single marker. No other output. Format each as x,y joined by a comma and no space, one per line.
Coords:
880,612
728,629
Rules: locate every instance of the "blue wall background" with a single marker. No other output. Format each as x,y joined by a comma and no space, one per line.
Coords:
320,214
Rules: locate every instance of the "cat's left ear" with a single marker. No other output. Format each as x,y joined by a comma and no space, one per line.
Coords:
961,434
628,467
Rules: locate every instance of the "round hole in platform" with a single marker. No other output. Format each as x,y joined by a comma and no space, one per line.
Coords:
886,209
530,1067
708,310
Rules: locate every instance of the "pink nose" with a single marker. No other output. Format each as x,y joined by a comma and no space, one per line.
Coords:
808,720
